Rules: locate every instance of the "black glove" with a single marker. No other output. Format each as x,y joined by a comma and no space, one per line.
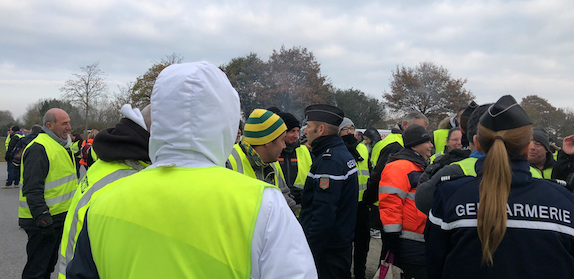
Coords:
391,242
48,234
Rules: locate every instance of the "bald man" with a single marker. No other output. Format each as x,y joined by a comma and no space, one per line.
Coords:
49,174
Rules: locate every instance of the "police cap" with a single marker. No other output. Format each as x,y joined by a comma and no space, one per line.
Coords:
505,114
324,113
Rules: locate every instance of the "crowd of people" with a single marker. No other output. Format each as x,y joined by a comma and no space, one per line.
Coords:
185,189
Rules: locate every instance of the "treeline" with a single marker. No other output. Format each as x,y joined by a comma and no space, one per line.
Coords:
289,79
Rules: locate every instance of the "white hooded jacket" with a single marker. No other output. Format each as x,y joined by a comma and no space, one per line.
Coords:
195,115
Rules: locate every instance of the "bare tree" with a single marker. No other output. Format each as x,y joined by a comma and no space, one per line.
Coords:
86,88
140,91
427,88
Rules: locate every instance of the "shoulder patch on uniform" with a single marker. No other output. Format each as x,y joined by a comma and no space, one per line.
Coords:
327,153
351,164
324,182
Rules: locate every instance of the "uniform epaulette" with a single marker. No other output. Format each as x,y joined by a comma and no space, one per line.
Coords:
327,153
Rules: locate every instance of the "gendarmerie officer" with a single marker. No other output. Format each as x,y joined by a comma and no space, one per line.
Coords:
503,223
330,196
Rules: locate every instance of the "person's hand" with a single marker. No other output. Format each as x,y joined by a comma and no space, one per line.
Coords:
48,234
391,243
568,145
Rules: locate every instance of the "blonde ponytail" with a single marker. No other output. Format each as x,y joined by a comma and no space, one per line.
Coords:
495,184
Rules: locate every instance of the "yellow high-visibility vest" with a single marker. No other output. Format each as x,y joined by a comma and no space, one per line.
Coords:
201,227
99,179
61,181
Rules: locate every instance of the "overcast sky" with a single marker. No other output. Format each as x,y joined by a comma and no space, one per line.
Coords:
502,47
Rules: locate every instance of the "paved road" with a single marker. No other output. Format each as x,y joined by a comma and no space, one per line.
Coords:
13,239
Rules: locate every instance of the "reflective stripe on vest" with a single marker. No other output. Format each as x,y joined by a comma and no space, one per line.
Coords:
101,174
382,144
413,236
467,166
303,166
60,183
440,139
131,238
240,163
363,169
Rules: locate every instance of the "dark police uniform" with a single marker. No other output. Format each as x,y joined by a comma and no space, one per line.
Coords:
539,239
329,204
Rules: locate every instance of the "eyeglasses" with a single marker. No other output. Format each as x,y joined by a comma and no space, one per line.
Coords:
348,129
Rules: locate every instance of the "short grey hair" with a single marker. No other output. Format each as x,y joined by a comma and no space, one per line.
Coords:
413,115
49,117
35,129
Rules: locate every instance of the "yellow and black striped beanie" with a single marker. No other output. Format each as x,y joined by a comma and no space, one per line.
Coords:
262,127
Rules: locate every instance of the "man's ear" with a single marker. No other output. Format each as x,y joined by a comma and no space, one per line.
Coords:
322,129
405,125
49,125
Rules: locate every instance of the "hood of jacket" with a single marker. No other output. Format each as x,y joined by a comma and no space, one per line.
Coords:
194,116
409,154
127,140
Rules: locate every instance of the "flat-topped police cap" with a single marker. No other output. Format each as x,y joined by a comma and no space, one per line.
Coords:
505,114
325,113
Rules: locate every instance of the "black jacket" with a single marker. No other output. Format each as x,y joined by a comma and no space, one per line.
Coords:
564,167
371,195
14,140
330,197
36,167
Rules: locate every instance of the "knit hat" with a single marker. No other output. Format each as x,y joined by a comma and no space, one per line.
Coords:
16,128
290,120
415,135
540,135
274,109
505,114
262,127
472,125
324,113
346,122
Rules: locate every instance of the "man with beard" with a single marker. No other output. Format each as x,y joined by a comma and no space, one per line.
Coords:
362,227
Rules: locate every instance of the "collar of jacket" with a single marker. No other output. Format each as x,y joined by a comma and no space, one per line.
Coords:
519,165
351,143
54,137
410,155
290,147
397,130
549,160
252,155
476,154
321,144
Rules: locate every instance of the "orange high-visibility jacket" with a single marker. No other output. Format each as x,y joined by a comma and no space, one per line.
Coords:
397,189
